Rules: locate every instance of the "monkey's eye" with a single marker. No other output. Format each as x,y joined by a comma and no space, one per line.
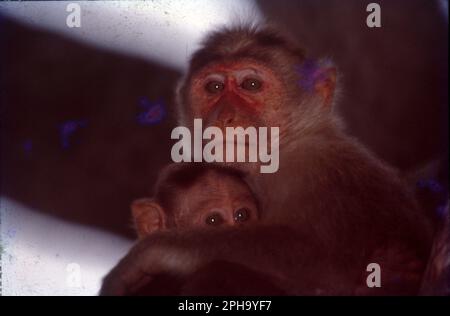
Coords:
214,219
214,86
242,215
251,84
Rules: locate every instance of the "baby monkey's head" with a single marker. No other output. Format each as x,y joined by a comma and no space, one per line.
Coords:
193,196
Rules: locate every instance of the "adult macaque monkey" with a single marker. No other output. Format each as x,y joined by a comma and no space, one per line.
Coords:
190,196
330,210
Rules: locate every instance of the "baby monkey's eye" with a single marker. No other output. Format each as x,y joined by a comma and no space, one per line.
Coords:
214,219
242,215
214,86
251,84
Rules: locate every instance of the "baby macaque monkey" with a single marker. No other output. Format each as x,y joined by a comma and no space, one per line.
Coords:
195,196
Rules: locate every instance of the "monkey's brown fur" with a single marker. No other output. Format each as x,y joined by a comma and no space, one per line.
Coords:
330,210
185,195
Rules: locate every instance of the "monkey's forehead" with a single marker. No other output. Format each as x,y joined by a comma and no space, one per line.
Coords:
235,64
225,64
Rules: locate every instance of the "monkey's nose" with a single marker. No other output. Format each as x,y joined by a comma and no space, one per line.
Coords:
227,114
228,121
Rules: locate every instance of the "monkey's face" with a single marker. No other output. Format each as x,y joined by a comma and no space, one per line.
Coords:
258,78
238,93
216,201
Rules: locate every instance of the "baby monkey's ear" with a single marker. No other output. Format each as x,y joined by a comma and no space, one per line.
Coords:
148,216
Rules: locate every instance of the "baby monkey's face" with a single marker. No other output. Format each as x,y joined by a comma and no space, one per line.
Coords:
216,200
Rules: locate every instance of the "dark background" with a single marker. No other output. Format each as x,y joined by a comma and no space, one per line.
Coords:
395,99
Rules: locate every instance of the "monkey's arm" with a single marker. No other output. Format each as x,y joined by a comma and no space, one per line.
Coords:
307,261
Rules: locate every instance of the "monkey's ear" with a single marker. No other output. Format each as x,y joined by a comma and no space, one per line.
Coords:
325,83
148,216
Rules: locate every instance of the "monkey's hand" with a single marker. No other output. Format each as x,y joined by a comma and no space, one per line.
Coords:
156,254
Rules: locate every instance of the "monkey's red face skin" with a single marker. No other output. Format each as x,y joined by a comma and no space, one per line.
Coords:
240,93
